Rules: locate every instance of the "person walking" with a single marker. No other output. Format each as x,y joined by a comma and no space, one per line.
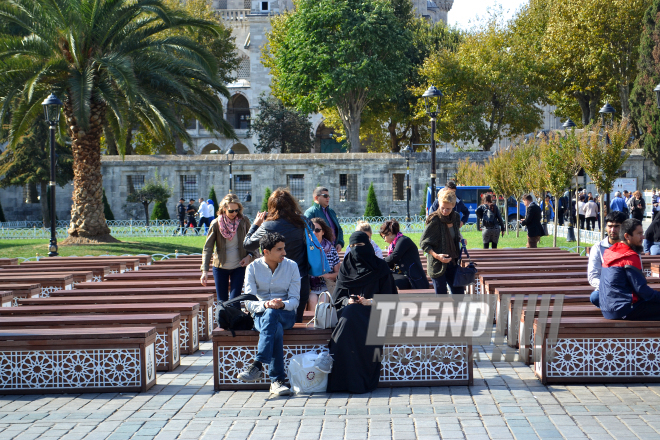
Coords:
619,204
532,221
441,241
581,217
489,221
321,209
590,211
226,235
190,212
204,220
181,215
285,218
637,206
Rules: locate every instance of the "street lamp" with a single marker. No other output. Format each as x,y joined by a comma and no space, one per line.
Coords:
52,106
407,153
568,124
432,101
230,156
607,111
657,95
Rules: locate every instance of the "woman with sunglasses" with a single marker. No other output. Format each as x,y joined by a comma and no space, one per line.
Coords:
403,256
325,282
226,234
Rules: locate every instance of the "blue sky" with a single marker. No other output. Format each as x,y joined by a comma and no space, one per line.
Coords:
465,11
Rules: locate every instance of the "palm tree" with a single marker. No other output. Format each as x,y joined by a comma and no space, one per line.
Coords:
109,61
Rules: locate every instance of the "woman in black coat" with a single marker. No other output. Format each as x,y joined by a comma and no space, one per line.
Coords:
403,252
532,221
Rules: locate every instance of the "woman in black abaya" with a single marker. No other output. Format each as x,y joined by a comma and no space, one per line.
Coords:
364,275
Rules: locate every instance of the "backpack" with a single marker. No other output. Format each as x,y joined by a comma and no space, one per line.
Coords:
233,318
489,219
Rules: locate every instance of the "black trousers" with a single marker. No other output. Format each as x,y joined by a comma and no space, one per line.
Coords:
304,297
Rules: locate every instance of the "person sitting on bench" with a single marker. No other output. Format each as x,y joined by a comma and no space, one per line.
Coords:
613,224
275,281
624,293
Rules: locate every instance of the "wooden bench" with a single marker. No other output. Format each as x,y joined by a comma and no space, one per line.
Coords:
79,276
98,272
143,259
6,298
22,291
166,324
485,279
114,266
597,350
170,274
204,318
188,328
49,283
9,261
131,263
106,359
403,366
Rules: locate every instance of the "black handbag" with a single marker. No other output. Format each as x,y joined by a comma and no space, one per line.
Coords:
465,275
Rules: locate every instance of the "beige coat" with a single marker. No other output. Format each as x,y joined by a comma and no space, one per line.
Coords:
215,239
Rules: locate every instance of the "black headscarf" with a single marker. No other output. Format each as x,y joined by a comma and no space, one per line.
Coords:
652,233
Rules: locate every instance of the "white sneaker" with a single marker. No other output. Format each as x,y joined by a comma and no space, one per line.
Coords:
323,362
279,388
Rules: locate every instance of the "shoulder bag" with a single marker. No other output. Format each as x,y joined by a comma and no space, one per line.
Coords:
465,275
318,262
325,314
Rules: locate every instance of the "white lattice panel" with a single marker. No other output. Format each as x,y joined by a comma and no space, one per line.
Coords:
201,321
215,309
162,349
185,334
151,363
605,358
63,369
46,291
97,279
175,347
195,335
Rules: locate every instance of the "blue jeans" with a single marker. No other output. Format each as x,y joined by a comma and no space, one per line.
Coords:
270,349
595,299
651,247
222,277
440,283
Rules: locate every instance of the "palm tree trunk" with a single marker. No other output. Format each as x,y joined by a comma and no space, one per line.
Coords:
87,217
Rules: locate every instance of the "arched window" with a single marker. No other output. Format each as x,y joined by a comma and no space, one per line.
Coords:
210,147
238,112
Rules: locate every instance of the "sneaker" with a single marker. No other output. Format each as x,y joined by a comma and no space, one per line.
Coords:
279,388
250,374
323,363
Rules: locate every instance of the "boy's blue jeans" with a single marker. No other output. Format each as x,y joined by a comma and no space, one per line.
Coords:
270,349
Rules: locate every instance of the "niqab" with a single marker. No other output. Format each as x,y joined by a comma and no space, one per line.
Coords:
361,267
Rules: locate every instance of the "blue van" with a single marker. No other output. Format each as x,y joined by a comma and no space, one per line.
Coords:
471,196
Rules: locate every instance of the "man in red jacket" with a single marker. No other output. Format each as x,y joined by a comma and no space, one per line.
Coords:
624,293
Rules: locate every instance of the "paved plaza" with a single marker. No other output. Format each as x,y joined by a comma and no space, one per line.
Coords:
506,402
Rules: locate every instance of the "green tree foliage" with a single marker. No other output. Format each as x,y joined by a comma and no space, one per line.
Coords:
642,100
28,162
153,190
422,211
213,197
497,170
281,129
264,202
140,70
337,53
372,209
160,211
491,91
107,211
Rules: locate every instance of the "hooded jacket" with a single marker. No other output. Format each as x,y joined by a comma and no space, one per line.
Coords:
623,286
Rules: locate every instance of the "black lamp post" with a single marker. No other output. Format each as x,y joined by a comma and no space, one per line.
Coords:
570,232
230,156
657,95
407,153
52,106
432,101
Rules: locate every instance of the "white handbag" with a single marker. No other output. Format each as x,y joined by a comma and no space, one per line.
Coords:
325,314
303,377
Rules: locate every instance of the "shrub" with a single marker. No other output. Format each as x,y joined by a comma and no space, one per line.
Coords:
264,203
106,208
372,209
160,211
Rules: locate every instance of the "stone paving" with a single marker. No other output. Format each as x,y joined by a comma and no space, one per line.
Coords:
506,402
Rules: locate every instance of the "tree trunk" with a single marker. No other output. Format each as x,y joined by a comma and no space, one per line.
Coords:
394,146
129,142
577,213
350,112
87,217
415,137
583,102
624,95
555,227
43,201
601,214
146,212
593,107
517,217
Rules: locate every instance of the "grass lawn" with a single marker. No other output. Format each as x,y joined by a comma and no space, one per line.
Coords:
189,245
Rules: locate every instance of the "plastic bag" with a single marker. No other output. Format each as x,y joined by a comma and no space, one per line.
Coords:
303,377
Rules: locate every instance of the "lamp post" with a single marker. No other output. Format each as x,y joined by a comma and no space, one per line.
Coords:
570,232
230,156
52,106
407,153
607,114
432,101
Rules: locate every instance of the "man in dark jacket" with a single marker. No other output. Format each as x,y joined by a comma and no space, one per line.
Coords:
532,220
624,293
489,221
321,209
181,215
191,210
460,206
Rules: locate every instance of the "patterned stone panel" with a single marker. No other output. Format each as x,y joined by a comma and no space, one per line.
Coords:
201,321
97,279
46,291
215,309
70,369
604,357
151,363
175,345
195,335
162,350
185,336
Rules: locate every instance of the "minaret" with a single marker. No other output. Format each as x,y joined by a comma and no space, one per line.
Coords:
443,7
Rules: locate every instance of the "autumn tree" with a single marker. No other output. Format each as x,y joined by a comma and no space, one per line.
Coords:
556,157
497,171
154,190
337,53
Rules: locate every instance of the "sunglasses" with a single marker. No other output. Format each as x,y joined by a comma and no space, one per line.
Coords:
327,196
231,211
318,230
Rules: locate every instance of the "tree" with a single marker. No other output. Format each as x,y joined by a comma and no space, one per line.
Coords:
107,211
642,100
372,209
280,128
213,197
556,157
264,202
490,89
603,156
470,173
160,211
422,212
136,72
498,176
28,163
337,53
152,191
520,161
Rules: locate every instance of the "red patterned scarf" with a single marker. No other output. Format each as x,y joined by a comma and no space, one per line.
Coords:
228,227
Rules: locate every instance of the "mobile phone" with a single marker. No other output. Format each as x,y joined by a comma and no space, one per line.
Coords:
354,297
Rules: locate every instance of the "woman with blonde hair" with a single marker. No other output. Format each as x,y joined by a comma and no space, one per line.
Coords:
441,240
226,235
637,206
285,217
